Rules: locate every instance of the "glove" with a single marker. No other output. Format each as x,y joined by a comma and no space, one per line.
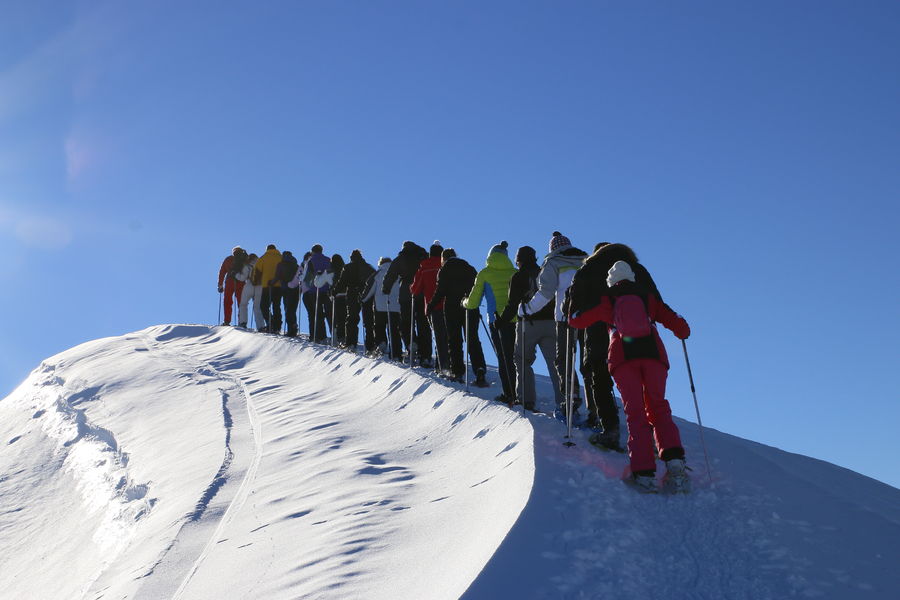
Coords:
682,330
521,311
221,289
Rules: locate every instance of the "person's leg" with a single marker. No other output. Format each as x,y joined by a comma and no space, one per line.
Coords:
595,367
291,301
659,413
453,317
309,303
340,319
246,295
266,303
629,378
405,318
476,353
351,323
323,316
525,372
257,307
545,336
380,330
228,299
276,292
396,337
423,331
368,314
439,326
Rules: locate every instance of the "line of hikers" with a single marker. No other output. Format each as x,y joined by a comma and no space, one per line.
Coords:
424,304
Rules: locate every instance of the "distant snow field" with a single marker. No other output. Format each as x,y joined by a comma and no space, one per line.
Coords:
186,461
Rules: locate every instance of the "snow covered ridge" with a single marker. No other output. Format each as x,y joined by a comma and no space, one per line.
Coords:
195,462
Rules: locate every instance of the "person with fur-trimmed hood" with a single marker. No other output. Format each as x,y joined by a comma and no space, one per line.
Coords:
492,285
228,283
454,282
639,364
537,330
387,311
588,288
351,284
556,275
403,268
424,285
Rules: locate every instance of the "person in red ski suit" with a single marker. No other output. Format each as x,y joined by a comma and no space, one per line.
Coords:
640,367
231,266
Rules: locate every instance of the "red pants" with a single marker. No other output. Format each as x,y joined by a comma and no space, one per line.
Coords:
233,289
642,383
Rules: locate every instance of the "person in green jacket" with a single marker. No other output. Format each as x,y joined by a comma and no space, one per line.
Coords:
492,285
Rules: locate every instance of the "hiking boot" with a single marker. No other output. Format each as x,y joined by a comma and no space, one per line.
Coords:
426,362
593,421
676,480
645,484
502,398
608,439
480,379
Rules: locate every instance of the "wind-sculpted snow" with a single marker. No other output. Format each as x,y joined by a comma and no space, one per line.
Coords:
186,461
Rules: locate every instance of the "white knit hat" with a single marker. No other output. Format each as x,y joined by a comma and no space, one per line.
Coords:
620,271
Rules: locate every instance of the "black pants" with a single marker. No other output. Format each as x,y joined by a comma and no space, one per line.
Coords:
309,303
595,370
440,339
504,338
368,318
387,332
340,319
567,340
271,308
291,299
455,317
351,321
423,330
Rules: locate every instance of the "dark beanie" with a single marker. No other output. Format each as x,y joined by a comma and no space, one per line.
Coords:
356,255
448,253
526,255
316,249
435,249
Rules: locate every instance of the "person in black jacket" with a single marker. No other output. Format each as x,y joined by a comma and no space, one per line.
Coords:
404,268
532,331
351,284
284,274
587,290
338,303
454,282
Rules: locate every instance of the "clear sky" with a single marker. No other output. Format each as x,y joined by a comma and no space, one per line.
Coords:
748,151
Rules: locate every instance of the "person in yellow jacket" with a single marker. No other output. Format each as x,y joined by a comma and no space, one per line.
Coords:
492,285
264,275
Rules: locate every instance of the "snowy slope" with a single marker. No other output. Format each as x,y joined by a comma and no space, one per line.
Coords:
197,462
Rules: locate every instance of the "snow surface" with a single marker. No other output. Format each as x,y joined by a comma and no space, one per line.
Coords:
185,461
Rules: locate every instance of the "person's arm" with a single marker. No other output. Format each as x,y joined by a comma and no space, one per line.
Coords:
548,282
473,300
672,321
440,290
390,277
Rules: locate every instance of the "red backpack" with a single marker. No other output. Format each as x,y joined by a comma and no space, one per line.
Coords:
630,317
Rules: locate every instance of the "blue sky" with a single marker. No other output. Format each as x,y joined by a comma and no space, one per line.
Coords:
747,151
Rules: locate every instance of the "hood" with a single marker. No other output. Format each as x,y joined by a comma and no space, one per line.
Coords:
499,261
609,254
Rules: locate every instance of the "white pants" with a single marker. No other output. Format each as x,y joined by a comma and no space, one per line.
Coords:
251,292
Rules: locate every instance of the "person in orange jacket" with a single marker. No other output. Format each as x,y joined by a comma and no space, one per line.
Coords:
232,287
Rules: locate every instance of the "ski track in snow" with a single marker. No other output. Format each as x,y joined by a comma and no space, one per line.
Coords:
240,462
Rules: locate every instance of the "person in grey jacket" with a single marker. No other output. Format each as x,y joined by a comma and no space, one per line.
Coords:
556,276
387,311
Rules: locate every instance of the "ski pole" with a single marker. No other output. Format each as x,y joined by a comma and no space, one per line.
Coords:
466,317
333,316
219,320
569,388
412,321
697,408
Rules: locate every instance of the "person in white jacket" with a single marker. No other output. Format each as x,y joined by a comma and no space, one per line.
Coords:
252,291
387,311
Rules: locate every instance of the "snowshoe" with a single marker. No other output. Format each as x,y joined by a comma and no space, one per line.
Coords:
676,480
645,484
480,380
